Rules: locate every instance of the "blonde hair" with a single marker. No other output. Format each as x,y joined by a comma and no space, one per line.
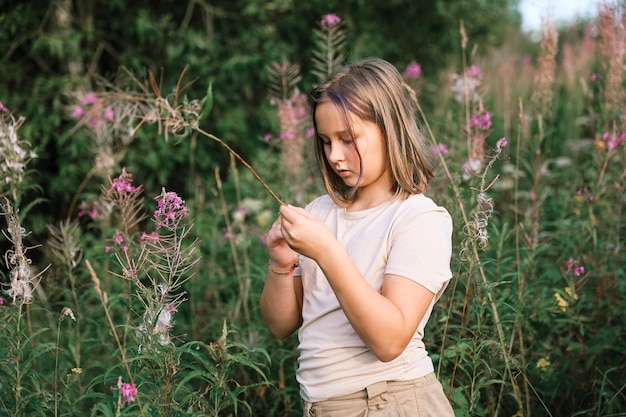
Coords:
373,90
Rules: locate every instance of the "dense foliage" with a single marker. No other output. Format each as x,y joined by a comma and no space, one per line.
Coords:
133,242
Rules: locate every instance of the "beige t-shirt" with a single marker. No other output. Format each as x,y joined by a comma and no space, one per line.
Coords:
411,238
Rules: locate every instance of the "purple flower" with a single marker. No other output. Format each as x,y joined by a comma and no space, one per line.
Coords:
123,184
413,70
149,238
573,266
90,98
85,210
129,392
267,137
77,112
170,208
474,72
330,20
481,119
287,135
440,149
3,110
502,143
108,114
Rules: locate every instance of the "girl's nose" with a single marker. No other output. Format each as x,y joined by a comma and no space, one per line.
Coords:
335,154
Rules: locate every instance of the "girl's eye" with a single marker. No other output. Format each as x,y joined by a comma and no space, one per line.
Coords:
325,142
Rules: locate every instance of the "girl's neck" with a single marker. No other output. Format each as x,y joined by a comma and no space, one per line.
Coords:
366,200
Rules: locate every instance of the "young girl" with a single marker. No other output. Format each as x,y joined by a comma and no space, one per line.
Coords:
359,269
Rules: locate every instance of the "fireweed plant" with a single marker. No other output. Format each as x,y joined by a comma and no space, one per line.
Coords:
531,165
158,372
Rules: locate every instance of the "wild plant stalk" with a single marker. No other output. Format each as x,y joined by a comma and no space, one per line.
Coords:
66,312
105,301
473,258
241,265
474,255
521,280
330,43
65,246
466,97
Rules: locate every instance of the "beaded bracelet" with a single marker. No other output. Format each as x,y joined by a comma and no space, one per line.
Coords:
295,263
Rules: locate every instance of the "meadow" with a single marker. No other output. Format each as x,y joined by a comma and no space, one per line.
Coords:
143,299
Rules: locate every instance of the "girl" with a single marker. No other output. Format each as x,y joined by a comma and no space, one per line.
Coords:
359,270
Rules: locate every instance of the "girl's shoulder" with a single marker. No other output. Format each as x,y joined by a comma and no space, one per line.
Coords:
419,202
420,206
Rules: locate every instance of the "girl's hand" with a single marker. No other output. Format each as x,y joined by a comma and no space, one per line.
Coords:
304,232
281,255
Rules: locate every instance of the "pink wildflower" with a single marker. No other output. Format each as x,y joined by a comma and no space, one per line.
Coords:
594,77
123,183
413,70
90,98
149,238
267,137
77,112
107,249
85,210
2,108
108,114
1,299
287,135
330,20
310,132
170,207
118,238
573,266
613,140
502,143
440,149
474,72
481,119
129,392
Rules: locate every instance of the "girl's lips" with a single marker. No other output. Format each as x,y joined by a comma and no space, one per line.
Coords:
343,172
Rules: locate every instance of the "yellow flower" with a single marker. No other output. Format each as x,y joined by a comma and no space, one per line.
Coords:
571,293
599,144
562,302
543,363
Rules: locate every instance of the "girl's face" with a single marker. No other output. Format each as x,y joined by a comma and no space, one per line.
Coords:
342,154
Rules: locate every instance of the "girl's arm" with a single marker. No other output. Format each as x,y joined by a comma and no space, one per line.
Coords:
385,321
281,299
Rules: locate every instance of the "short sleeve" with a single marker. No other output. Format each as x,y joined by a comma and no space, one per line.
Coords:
421,248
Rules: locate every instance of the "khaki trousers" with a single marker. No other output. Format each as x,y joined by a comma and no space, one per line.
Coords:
422,397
